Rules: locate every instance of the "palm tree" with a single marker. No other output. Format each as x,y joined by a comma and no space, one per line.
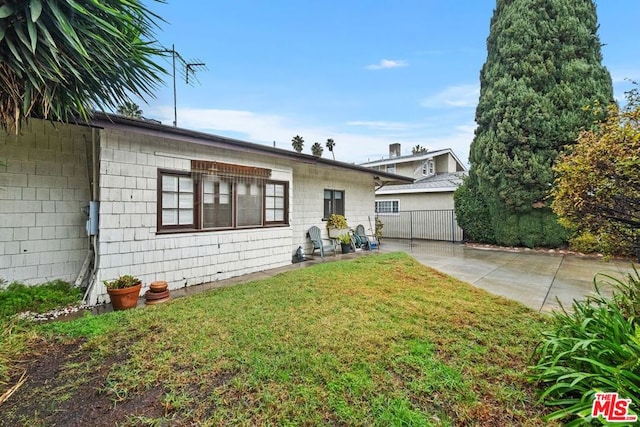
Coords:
62,59
130,109
297,143
316,149
418,149
330,144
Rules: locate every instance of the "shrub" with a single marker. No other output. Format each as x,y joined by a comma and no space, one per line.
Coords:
585,242
473,215
594,348
379,228
337,221
18,297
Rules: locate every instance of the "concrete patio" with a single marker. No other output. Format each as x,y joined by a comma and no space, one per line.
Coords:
537,279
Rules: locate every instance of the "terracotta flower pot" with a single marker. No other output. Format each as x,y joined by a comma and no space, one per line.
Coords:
126,298
158,286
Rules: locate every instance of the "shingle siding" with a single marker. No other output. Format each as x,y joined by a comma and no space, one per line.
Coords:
43,186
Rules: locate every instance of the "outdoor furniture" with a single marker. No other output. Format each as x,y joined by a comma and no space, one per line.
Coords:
316,239
369,242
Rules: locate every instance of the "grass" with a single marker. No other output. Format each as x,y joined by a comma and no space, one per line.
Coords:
18,297
378,340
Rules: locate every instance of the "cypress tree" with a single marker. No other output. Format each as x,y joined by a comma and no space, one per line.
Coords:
542,75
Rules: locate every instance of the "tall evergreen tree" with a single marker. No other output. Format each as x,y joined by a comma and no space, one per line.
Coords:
543,70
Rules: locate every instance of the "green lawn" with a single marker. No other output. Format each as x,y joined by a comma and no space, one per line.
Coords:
377,340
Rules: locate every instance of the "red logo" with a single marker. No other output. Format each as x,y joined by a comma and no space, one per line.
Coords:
613,408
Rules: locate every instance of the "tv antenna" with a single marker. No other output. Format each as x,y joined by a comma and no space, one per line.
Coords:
189,67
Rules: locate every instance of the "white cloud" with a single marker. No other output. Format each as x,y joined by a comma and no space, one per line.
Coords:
384,125
387,63
460,96
356,146
624,75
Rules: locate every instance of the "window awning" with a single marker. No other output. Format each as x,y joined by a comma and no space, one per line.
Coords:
228,169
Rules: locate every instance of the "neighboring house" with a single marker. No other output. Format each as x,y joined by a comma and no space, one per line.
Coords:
162,203
423,208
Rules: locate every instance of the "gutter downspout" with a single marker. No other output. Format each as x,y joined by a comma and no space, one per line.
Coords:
94,198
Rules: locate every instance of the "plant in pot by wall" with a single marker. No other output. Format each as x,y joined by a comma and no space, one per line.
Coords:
337,226
123,291
378,231
345,243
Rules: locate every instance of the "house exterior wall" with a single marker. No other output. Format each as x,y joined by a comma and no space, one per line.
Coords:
421,216
446,163
421,201
308,200
128,239
44,184
410,169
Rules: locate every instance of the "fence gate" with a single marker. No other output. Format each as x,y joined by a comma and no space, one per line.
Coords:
427,224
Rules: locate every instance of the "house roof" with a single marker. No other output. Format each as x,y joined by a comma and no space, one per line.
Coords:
153,128
414,158
444,182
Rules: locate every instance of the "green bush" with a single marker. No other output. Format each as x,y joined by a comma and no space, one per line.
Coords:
492,223
585,242
593,348
507,230
555,234
472,215
18,297
535,228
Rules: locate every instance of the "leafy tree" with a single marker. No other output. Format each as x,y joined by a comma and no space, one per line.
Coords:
59,59
543,66
418,149
597,189
130,109
316,149
297,142
330,145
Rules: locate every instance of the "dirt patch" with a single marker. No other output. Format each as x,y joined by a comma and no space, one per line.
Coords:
46,398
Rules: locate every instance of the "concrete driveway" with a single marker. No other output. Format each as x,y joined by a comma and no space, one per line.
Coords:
536,279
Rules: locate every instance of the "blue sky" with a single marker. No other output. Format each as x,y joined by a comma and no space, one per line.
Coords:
365,73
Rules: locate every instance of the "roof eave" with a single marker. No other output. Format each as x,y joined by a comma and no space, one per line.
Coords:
114,121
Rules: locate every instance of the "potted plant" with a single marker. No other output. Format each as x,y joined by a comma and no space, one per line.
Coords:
124,292
378,232
337,226
345,243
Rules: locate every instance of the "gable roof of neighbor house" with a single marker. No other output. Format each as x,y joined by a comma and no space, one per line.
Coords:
442,182
414,158
153,128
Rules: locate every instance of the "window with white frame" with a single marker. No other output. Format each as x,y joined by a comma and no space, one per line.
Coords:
391,168
177,201
428,168
189,201
333,203
387,206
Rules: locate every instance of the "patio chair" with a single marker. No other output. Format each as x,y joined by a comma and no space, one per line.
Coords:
369,242
316,239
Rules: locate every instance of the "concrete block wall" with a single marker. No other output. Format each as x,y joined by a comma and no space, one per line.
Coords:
43,186
309,183
128,239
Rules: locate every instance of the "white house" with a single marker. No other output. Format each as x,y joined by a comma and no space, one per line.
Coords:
91,202
424,207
